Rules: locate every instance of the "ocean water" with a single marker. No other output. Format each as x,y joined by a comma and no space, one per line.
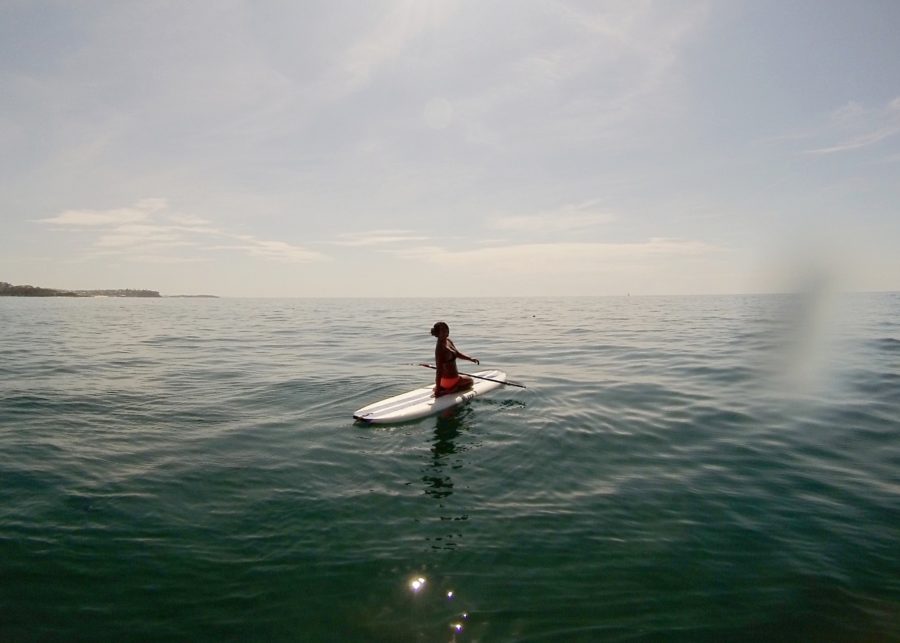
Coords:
678,469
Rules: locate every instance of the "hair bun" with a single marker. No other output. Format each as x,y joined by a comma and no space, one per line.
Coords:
435,330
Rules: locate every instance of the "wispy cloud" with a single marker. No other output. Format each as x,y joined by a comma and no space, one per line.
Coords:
389,37
563,258
632,51
864,140
188,219
565,219
165,259
378,238
271,250
854,126
147,233
142,234
140,211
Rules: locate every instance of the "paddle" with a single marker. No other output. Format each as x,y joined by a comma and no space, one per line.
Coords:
477,376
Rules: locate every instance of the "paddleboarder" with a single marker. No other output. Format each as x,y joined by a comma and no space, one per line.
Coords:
446,378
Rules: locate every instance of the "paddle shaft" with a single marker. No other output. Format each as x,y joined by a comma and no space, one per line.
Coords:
478,377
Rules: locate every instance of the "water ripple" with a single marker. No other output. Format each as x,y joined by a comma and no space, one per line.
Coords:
677,469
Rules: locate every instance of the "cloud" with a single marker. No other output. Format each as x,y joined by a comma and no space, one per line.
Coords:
165,259
562,258
390,37
187,219
272,250
857,142
589,72
378,238
133,235
141,233
140,211
856,126
566,218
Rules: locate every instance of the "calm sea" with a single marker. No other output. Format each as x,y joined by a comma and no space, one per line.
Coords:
678,469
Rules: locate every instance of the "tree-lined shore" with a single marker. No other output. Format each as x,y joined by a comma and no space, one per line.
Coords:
9,290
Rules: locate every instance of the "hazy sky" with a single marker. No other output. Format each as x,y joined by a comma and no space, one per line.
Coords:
421,148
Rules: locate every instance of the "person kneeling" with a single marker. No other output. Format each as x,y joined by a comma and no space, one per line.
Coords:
447,379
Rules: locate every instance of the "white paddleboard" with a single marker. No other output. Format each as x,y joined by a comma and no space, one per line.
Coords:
421,403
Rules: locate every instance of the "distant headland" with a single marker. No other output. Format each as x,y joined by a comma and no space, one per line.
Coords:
8,290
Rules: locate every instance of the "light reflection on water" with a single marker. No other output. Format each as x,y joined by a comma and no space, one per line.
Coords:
446,459
457,620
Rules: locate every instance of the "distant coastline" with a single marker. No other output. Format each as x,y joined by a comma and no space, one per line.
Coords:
9,290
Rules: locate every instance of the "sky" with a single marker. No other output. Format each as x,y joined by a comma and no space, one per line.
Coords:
430,148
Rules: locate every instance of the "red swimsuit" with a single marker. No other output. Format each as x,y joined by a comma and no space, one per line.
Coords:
449,382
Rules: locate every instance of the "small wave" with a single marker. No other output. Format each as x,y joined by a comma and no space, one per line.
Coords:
886,344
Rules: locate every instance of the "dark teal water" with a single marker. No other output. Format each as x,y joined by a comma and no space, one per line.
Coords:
679,469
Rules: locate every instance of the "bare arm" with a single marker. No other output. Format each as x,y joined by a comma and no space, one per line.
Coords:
459,353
